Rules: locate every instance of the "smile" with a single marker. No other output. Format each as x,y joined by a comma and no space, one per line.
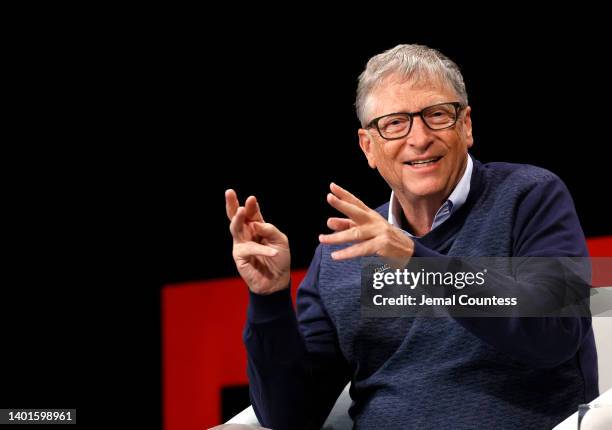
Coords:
427,162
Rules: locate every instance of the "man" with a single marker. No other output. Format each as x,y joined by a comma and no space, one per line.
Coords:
414,372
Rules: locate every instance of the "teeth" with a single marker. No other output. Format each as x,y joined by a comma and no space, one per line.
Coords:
422,161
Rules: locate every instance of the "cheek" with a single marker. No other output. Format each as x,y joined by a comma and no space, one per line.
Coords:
384,159
389,167
392,168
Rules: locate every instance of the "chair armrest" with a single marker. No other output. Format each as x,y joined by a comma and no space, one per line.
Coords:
338,418
247,417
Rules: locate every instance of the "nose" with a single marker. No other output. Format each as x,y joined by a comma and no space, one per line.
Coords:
421,136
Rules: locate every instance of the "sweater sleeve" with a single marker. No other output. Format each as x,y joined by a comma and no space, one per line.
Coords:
295,366
546,225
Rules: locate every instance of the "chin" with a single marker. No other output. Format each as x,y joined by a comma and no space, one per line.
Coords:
425,189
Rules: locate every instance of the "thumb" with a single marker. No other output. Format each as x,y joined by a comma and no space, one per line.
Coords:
269,232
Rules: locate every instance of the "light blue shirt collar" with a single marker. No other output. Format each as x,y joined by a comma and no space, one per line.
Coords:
456,199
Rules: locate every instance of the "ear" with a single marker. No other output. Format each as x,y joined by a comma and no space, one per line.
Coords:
467,127
367,146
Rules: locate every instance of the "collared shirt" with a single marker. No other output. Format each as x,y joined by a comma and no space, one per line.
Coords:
456,199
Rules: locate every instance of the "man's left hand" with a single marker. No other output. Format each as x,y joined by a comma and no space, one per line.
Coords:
373,234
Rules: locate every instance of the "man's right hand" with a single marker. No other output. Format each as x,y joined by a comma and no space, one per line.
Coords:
261,251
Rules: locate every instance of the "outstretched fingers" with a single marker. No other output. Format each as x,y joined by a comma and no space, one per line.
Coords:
353,234
354,212
347,196
231,203
237,225
360,249
340,224
253,212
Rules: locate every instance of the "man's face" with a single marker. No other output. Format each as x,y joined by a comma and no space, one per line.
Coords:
392,158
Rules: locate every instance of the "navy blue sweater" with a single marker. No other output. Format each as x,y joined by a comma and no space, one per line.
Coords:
459,373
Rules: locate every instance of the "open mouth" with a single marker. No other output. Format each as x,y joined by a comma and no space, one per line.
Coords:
427,162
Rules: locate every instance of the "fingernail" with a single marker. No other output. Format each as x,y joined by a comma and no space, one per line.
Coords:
333,255
320,238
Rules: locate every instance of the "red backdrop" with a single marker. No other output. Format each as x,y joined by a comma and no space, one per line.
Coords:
202,347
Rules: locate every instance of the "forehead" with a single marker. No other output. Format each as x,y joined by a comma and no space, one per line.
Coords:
397,94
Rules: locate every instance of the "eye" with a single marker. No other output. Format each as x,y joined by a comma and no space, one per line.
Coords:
438,112
440,116
394,121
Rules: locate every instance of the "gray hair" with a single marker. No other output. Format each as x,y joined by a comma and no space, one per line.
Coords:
414,62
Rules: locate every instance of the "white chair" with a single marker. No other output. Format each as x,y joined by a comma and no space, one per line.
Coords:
339,418
604,422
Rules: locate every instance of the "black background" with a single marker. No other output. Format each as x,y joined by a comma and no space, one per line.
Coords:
126,132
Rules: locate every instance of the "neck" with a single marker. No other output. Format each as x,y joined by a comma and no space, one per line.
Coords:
420,213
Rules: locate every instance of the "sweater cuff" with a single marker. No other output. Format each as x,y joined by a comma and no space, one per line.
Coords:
434,261
266,308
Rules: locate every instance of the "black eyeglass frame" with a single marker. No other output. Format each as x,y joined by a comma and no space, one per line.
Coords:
374,123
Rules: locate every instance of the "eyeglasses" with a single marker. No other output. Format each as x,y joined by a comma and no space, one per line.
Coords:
398,125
